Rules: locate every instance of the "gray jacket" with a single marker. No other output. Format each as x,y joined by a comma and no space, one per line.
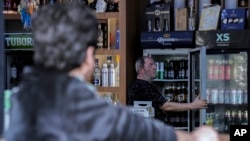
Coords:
52,106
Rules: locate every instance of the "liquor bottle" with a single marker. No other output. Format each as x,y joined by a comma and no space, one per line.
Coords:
227,121
105,75
99,36
105,35
166,25
233,119
97,74
171,70
101,6
92,5
186,69
111,75
242,3
176,69
239,118
110,6
149,25
166,67
117,37
157,25
13,74
245,118
168,93
191,20
117,71
180,93
109,61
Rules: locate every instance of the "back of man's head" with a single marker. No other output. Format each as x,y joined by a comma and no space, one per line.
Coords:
62,33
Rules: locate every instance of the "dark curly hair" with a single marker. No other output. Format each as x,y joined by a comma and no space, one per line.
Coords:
62,33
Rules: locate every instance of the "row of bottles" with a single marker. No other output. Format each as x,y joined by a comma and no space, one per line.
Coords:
108,75
11,5
176,92
111,97
231,117
105,42
97,5
227,69
172,69
177,119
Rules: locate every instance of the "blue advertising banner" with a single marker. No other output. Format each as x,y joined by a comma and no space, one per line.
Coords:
175,39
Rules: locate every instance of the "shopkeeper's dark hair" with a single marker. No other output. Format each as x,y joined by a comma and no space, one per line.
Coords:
62,33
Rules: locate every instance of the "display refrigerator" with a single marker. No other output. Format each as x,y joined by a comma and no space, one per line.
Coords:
170,51
172,81
219,73
18,54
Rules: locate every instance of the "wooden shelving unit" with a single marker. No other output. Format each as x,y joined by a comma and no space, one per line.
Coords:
127,22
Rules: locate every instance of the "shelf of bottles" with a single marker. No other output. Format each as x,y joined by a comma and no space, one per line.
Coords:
14,67
226,91
172,82
12,8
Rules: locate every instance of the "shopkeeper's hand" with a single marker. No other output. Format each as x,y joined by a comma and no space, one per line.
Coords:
199,103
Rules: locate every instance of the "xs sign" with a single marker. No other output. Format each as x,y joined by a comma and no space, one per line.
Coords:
240,132
222,37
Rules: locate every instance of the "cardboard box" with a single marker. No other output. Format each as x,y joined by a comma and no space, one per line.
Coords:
181,19
158,17
233,19
144,109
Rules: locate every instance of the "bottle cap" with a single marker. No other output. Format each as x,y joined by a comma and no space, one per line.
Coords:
104,65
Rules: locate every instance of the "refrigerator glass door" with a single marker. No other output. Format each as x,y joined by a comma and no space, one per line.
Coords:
223,82
196,81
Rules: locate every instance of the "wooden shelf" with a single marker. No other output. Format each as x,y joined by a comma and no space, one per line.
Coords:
108,89
107,52
12,16
107,15
104,15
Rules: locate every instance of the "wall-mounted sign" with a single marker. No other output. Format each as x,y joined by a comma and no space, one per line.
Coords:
223,38
18,41
175,39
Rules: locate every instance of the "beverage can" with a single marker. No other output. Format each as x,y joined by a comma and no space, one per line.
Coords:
239,97
221,96
245,97
233,96
227,96
214,96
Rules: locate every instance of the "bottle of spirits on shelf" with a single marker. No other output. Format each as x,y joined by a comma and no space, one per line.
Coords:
191,19
117,71
105,75
100,36
13,74
111,75
97,74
